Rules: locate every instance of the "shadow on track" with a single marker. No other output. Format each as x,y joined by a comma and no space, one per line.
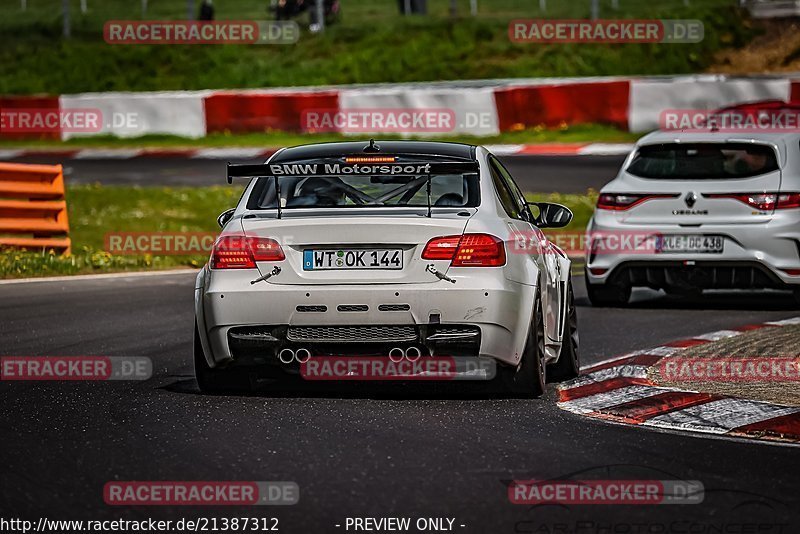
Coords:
386,390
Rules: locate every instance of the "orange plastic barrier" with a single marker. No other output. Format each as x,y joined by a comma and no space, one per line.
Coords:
33,210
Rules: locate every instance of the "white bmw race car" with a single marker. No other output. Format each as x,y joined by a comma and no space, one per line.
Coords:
695,211
402,250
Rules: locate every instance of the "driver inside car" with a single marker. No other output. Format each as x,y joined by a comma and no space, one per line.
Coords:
321,192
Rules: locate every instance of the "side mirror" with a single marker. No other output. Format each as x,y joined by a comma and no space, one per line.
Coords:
224,217
551,215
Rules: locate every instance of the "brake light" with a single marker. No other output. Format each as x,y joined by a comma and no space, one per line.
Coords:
763,201
242,252
370,159
624,201
441,248
468,250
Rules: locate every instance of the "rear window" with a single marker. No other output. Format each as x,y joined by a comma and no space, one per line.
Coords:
450,190
703,160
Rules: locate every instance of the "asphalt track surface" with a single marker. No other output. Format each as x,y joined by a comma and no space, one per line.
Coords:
567,174
358,453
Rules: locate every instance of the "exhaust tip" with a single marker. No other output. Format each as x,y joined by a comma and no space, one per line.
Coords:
286,356
396,355
413,354
302,355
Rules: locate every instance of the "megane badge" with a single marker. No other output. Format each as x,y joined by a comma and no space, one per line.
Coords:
690,198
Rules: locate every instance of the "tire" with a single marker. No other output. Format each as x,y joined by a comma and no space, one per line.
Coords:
568,365
527,380
213,380
608,295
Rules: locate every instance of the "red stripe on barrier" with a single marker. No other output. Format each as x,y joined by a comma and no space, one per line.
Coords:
246,112
166,153
748,327
794,93
555,105
600,387
641,410
552,148
30,103
684,343
787,426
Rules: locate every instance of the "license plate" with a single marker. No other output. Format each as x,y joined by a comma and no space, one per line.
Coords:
344,259
709,244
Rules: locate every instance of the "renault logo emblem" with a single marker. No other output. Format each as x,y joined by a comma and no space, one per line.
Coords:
690,199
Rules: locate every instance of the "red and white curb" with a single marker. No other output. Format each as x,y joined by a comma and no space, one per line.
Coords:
618,390
545,149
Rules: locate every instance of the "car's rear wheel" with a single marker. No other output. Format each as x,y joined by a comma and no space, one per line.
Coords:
608,295
568,365
213,380
528,378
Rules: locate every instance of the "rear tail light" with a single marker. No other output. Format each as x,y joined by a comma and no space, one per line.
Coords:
792,272
468,250
370,159
624,201
763,201
242,252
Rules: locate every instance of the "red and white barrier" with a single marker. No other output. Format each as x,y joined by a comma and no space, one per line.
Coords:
480,108
473,110
649,97
135,114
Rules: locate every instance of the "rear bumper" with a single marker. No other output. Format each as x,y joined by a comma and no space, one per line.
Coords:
697,275
754,256
227,306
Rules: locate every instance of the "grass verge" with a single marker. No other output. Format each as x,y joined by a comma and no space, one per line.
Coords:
585,133
371,43
96,210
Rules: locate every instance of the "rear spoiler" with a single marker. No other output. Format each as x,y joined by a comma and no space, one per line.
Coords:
337,168
359,167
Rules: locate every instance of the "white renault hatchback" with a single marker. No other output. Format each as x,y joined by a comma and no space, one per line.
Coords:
402,250
695,211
